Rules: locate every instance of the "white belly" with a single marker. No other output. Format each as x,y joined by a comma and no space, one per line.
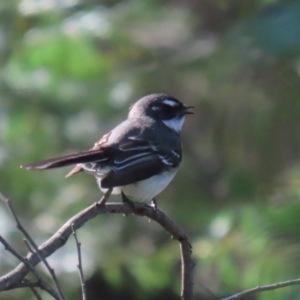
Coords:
146,189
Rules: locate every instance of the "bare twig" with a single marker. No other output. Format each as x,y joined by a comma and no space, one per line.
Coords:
28,246
187,267
264,288
35,293
79,266
26,284
31,285
31,242
42,283
141,209
32,288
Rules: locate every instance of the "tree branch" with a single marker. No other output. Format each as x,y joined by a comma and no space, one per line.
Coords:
79,265
42,282
31,285
29,241
264,288
141,209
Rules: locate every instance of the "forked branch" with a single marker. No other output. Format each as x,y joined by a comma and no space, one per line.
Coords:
13,278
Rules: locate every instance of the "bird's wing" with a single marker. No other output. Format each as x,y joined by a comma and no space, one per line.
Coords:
137,160
170,157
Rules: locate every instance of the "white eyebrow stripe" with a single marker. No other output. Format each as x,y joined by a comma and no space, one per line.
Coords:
170,102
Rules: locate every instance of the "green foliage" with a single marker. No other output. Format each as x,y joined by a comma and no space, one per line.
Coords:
68,75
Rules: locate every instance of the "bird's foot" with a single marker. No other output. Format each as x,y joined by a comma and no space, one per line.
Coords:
153,204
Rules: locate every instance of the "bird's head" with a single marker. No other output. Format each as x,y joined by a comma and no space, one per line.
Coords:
161,107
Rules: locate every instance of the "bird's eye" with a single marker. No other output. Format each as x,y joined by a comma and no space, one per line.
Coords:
167,107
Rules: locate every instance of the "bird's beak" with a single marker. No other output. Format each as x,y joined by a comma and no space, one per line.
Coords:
187,110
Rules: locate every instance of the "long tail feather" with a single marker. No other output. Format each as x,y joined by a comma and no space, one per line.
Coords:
66,160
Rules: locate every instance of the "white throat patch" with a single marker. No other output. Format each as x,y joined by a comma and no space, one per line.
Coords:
175,123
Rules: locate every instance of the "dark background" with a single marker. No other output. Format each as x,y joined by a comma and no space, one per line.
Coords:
69,71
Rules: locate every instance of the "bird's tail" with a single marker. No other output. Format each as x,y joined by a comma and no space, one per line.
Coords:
66,160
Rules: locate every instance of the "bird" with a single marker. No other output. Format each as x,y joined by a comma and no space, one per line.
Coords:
139,157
